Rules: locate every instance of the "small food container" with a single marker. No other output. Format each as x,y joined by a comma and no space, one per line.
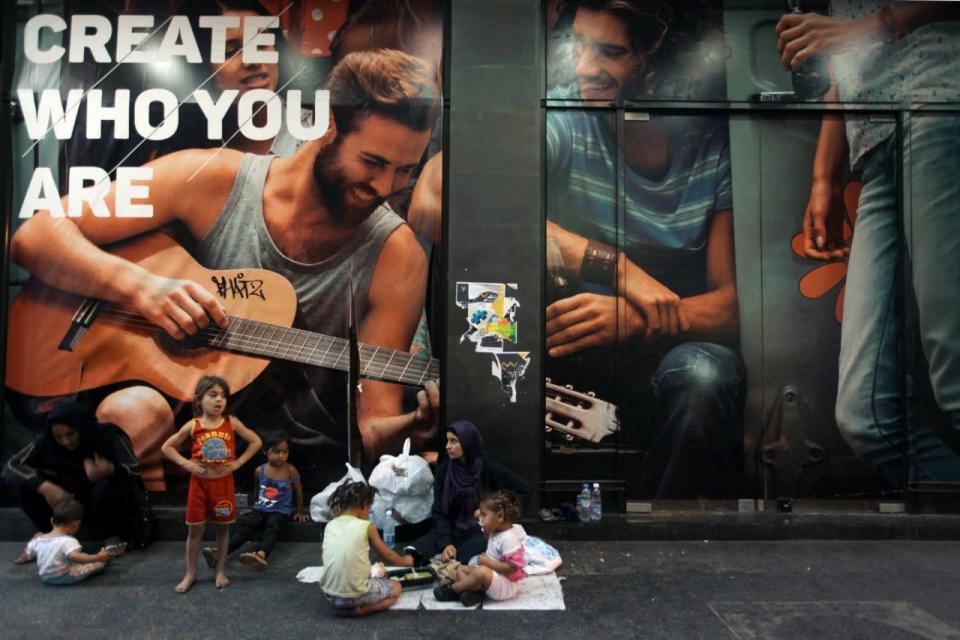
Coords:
413,578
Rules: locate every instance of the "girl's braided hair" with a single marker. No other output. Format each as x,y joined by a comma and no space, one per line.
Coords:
350,495
506,502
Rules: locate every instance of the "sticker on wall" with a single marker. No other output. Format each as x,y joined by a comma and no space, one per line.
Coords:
508,367
491,314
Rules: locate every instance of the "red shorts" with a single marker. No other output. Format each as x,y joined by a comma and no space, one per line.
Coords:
212,499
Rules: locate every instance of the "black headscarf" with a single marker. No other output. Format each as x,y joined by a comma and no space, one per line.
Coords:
462,484
65,464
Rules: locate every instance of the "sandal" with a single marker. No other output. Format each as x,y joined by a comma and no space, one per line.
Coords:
253,559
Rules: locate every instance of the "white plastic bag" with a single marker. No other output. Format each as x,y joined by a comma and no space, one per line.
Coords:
405,484
539,557
319,509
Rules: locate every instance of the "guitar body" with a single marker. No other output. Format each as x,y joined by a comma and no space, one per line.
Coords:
117,350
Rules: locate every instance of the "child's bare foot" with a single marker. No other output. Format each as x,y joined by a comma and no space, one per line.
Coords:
222,581
185,584
255,559
210,556
23,558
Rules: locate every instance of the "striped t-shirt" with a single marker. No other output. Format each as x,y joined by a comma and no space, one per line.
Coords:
666,221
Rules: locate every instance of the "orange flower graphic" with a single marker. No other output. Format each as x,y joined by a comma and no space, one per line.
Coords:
823,278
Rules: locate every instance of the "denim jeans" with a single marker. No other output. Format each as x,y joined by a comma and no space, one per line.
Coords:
869,402
696,443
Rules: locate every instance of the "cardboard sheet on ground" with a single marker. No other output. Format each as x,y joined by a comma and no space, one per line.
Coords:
537,593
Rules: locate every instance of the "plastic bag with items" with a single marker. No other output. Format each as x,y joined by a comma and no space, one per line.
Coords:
404,483
539,557
319,508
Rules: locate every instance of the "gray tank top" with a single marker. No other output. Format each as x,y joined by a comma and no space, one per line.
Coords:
239,239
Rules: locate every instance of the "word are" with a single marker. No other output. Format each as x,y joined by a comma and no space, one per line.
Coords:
42,193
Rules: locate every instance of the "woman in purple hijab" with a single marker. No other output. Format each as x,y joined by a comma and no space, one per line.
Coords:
459,483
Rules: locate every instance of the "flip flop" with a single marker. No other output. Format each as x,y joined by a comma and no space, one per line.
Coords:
254,560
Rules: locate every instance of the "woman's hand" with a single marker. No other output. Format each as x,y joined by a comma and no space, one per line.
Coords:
449,552
801,36
97,468
301,516
53,493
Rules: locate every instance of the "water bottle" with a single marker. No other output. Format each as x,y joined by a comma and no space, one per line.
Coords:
390,530
583,503
596,503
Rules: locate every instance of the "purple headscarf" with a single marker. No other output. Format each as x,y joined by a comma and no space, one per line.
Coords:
461,486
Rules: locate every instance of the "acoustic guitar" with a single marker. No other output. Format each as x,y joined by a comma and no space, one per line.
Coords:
59,343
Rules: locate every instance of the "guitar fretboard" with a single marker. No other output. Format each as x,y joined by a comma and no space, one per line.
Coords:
253,337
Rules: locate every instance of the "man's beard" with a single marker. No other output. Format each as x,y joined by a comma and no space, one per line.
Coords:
333,185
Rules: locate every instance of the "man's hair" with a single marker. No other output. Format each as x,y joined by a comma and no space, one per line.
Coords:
646,20
69,510
385,82
671,37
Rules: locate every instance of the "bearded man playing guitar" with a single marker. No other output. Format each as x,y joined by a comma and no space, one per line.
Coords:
318,218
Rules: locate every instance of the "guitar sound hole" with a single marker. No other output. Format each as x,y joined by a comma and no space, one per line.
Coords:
188,346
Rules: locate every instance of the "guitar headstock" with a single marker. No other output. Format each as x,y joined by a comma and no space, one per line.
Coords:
579,415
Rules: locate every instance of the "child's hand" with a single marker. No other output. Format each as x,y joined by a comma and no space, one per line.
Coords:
226,469
449,552
483,560
301,516
103,556
195,468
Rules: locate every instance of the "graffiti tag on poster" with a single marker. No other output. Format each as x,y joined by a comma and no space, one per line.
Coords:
491,316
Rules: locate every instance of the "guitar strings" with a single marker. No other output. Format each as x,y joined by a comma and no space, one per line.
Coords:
238,336
407,374
235,335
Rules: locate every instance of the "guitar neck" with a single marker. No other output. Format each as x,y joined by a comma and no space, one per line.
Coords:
274,341
255,337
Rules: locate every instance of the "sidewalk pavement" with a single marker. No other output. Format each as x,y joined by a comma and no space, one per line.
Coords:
711,590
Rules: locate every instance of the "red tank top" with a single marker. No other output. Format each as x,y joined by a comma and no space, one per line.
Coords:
213,446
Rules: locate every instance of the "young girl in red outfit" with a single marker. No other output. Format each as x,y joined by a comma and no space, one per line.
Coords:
213,459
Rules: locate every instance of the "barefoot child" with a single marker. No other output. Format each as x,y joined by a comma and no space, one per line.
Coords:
346,555
499,569
213,459
59,558
278,489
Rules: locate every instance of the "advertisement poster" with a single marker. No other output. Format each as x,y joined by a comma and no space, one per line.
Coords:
223,188
740,302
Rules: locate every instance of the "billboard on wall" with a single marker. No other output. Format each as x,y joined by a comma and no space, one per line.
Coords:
700,339
226,188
